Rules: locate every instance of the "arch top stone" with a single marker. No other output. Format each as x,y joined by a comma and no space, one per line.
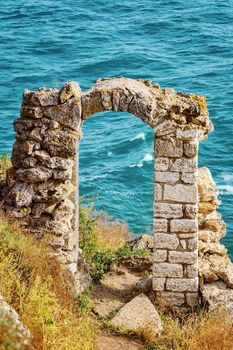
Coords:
160,108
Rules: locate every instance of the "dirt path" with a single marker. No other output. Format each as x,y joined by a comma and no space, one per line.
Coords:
112,342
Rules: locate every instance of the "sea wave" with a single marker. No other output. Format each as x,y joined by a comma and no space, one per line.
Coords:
140,136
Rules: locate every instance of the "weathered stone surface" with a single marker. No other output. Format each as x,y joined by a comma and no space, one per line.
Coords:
182,257
166,210
192,299
165,240
42,97
161,163
160,225
20,195
180,193
19,330
190,149
183,225
213,248
184,165
170,298
167,127
189,178
206,186
189,134
159,284
190,211
60,143
37,174
160,255
166,176
70,90
182,285
167,270
169,147
218,296
139,313
158,192
142,242
191,271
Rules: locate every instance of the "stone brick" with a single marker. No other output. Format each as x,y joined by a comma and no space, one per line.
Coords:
182,285
187,135
192,243
185,165
161,163
160,225
189,178
159,284
192,299
158,192
192,270
159,255
183,225
190,149
182,257
180,193
166,176
165,128
170,298
165,240
187,235
166,210
190,211
167,270
169,147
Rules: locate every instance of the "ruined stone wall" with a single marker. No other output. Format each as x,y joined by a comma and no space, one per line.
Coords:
42,185
176,226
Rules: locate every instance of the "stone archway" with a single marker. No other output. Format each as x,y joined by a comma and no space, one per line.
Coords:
42,185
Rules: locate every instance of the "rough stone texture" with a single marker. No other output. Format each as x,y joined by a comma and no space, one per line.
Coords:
139,314
215,267
7,312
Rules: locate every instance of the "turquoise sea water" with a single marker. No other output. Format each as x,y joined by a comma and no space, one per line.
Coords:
186,45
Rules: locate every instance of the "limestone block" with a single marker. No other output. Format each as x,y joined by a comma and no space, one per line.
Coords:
186,135
192,299
166,210
70,90
190,149
53,191
42,97
139,314
35,135
185,165
159,255
190,211
20,195
165,241
167,270
166,176
182,285
37,174
67,115
169,147
165,128
182,257
160,225
180,193
218,296
211,236
31,112
191,271
170,298
213,248
159,284
189,178
63,174
62,143
29,162
158,192
206,186
192,243
208,207
161,163
183,225
187,235
27,147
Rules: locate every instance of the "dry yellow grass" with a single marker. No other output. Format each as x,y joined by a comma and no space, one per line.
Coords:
206,331
33,283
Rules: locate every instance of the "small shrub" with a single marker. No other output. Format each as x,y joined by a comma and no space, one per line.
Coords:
84,301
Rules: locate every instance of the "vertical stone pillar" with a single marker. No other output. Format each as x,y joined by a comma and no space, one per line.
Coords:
42,185
175,269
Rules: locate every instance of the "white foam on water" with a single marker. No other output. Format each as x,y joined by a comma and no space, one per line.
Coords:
148,157
141,136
